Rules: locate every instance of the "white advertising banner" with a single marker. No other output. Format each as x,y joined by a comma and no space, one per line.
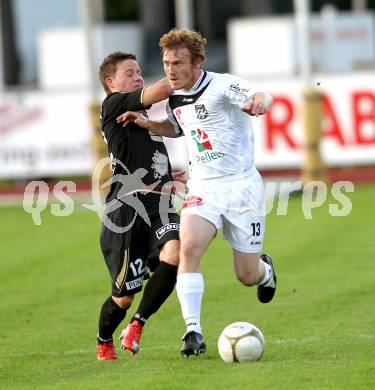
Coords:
348,136
46,134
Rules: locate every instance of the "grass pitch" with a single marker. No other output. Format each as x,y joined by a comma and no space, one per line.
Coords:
319,330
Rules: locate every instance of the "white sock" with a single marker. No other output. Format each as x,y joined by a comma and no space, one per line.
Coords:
267,274
190,288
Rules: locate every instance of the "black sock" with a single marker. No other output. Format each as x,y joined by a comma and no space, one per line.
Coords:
157,290
110,318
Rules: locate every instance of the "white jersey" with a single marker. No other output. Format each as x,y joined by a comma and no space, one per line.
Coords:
219,135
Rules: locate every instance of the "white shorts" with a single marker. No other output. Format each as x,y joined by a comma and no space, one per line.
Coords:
235,203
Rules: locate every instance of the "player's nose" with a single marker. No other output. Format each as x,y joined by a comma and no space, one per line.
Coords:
171,74
170,70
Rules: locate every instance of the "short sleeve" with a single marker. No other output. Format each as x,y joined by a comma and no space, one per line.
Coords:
236,90
120,102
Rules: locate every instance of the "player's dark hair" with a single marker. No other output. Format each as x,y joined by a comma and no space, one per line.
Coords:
109,66
190,39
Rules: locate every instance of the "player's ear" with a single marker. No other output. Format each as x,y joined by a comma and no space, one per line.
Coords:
198,61
109,82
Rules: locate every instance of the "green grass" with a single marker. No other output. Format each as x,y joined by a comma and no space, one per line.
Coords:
319,330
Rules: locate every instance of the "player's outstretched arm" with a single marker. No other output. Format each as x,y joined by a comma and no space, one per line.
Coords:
157,92
164,128
260,103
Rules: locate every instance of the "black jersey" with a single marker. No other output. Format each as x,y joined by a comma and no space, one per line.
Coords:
132,145
135,224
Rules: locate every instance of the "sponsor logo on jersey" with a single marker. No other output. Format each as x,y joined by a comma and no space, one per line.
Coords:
209,156
206,152
159,165
201,139
192,201
201,111
188,100
239,91
167,228
179,117
134,283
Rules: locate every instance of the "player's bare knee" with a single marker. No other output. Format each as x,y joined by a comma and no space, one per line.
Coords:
190,250
124,302
172,258
171,253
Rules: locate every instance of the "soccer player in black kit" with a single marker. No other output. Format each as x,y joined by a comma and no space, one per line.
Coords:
133,232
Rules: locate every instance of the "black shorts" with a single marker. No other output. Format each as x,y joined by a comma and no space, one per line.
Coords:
126,252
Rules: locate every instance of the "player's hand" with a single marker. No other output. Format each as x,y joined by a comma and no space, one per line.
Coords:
254,109
178,187
259,105
133,116
179,176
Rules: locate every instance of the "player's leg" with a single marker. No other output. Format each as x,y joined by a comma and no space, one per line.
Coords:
255,269
112,313
244,227
161,283
126,268
247,267
156,292
164,243
250,267
196,234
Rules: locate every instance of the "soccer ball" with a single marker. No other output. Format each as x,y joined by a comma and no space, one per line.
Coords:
241,342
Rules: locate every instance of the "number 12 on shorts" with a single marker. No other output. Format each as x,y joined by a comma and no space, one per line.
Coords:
137,267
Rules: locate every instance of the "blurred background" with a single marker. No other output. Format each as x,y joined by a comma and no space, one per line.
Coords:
298,51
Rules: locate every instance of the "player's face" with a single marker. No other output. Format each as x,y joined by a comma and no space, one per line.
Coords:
127,77
181,72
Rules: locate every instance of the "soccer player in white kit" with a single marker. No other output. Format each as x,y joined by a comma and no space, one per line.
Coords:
224,189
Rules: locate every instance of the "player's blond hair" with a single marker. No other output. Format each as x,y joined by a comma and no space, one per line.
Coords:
109,66
189,39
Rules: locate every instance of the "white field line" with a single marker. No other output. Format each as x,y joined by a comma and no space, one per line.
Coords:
173,347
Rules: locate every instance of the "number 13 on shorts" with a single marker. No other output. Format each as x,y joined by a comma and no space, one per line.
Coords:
255,229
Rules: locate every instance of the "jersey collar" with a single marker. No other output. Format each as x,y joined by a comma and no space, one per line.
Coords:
203,80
